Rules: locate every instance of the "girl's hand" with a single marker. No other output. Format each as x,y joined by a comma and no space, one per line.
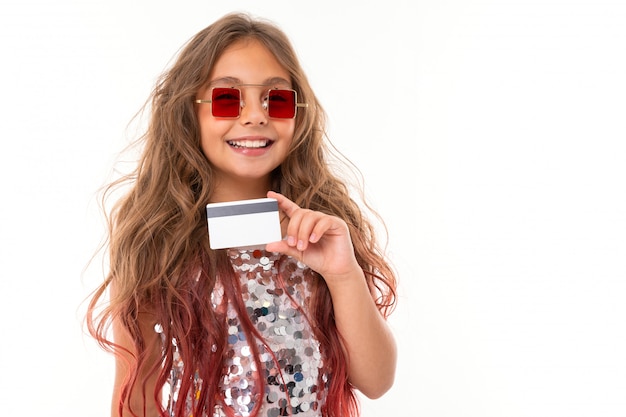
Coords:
323,243
319,240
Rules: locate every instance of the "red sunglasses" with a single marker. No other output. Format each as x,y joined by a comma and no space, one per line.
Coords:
279,103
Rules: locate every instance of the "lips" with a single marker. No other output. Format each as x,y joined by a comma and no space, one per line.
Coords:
250,143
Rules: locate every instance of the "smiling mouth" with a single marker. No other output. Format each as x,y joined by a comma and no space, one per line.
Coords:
252,144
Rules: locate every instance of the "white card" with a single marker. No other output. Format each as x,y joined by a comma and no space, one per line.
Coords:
243,223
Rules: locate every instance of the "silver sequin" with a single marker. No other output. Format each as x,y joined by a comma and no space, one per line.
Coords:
292,366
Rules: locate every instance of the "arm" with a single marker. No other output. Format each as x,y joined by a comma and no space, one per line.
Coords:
323,243
369,341
124,355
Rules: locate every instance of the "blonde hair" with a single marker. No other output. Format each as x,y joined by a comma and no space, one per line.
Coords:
157,231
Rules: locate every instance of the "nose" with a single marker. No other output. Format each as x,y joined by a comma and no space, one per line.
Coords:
253,111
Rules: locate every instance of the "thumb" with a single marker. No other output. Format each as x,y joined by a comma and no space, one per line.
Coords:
281,246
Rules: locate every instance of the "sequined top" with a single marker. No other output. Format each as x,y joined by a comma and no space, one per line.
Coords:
275,295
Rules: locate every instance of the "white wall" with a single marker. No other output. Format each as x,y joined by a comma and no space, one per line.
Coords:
492,138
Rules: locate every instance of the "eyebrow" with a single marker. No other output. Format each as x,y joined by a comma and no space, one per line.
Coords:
236,81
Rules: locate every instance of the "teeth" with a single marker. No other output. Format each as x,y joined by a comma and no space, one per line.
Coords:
248,143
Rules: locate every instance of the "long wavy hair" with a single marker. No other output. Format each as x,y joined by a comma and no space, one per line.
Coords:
158,240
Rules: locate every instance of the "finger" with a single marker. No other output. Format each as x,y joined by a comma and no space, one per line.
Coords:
307,223
286,205
322,226
288,210
282,247
279,246
294,237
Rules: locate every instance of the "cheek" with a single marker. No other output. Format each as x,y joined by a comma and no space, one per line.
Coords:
211,135
287,130
292,138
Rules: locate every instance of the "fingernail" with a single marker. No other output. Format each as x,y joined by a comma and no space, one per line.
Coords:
291,241
300,245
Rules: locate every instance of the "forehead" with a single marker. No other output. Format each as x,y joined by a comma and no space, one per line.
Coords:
248,62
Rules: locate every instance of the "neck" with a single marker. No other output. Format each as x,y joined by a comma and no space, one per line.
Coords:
240,190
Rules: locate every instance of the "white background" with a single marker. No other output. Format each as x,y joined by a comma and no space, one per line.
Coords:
491,135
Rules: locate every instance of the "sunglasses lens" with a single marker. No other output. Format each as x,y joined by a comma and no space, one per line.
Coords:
225,102
281,104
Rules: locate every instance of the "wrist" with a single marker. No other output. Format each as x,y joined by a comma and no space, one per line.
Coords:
346,281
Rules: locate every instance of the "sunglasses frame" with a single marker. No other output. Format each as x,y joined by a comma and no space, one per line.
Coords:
265,103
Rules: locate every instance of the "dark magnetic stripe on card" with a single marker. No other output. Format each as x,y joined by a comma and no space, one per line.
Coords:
240,209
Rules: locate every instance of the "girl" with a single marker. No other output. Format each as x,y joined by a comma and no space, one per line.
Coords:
289,329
